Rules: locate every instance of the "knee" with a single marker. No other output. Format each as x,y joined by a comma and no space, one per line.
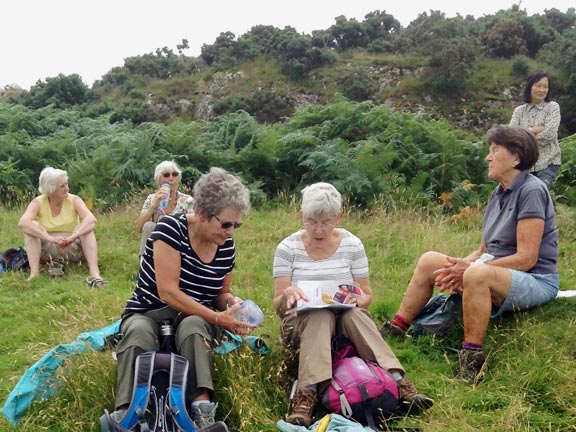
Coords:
141,332
354,315
193,326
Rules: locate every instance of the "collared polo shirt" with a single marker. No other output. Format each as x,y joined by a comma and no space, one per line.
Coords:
527,197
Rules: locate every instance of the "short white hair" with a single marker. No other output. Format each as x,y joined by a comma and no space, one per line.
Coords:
48,179
321,200
165,166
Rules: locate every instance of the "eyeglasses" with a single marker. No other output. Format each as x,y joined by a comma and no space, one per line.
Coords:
320,225
167,174
228,225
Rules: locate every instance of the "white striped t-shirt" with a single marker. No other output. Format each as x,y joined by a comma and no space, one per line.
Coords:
347,263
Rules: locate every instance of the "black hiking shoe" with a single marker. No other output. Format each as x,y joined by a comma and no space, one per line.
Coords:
471,366
389,330
411,401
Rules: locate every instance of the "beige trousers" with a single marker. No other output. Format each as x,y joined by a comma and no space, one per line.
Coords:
312,332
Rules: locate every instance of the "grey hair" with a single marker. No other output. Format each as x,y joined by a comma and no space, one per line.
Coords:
218,190
165,166
48,179
321,199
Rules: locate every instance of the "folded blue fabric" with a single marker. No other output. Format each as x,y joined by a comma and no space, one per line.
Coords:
229,342
39,382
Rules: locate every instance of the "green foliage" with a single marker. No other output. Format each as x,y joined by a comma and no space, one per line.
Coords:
357,85
563,188
61,92
520,66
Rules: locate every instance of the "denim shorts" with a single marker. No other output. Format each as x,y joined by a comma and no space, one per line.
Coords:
528,290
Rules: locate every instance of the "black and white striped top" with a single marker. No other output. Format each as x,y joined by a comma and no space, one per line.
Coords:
201,281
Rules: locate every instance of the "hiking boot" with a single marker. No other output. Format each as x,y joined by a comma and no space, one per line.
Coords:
411,401
471,366
303,405
203,414
389,330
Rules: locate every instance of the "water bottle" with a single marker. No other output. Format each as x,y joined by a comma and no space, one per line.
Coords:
165,200
167,338
250,313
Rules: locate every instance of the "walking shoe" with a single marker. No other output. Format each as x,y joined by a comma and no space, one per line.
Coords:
411,401
203,414
389,330
303,405
471,366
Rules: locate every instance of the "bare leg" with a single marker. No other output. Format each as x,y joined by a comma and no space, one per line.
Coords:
421,285
33,247
483,285
90,250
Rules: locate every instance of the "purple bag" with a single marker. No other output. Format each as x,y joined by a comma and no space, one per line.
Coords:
360,389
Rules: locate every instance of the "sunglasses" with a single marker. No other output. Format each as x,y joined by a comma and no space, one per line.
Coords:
173,174
228,225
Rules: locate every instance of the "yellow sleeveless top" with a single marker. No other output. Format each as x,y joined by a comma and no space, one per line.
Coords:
66,221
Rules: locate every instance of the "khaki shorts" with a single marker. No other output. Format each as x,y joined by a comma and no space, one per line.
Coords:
70,254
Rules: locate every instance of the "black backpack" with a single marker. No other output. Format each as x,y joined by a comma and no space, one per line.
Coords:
158,399
14,259
437,317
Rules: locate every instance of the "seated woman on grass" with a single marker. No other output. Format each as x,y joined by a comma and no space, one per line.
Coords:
513,269
178,202
322,251
58,226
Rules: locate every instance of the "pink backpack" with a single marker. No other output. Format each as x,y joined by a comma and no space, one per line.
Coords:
360,389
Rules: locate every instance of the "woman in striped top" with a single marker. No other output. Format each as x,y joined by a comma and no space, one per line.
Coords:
185,276
323,252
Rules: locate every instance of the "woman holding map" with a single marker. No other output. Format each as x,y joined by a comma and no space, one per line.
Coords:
324,254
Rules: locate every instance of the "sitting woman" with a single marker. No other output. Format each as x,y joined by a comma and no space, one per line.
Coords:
321,251
185,276
513,270
165,172
58,226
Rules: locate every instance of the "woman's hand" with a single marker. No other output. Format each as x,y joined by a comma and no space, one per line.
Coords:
450,276
227,321
158,195
291,295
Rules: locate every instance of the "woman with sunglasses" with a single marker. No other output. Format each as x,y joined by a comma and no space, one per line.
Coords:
185,276
178,202
165,172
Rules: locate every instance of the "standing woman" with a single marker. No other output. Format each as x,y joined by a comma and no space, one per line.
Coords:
58,225
165,172
541,116
186,276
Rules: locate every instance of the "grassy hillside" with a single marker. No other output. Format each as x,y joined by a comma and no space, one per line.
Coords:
531,385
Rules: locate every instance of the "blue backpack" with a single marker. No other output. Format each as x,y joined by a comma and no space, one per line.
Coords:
14,259
158,399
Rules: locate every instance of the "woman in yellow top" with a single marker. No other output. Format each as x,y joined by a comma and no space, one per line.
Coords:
58,226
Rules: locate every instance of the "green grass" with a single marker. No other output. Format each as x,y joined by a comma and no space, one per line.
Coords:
531,385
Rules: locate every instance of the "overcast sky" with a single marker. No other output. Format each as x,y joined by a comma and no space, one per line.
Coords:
43,38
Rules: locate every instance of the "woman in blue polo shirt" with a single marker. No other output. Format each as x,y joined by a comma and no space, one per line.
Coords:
514,269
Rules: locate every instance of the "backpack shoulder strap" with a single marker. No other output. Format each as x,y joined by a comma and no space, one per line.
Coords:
177,393
140,393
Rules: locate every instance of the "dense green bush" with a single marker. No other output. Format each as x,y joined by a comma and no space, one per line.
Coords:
371,153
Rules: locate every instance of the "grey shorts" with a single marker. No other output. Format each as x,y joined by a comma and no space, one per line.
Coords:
528,290
70,254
